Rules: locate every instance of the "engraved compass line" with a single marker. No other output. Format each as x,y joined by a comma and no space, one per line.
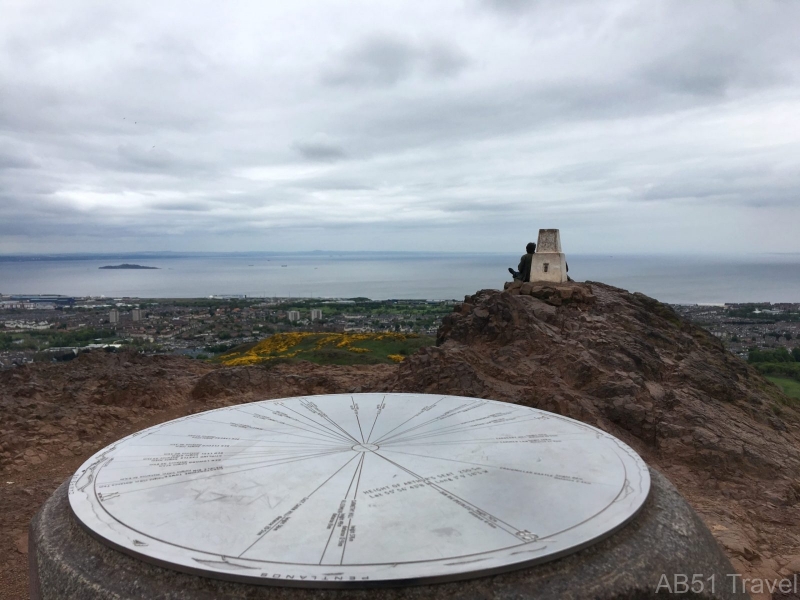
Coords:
91,471
525,437
459,501
326,431
312,420
313,431
354,503
168,453
227,452
455,411
354,406
242,426
275,460
381,406
198,436
304,499
450,413
231,472
336,521
556,476
470,442
422,410
550,536
464,426
481,426
242,456
599,512
314,409
230,451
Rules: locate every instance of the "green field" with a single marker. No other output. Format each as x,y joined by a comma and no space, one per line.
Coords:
52,338
790,387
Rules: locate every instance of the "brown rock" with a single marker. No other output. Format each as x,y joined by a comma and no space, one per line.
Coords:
737,544
21,543
791,565
258,383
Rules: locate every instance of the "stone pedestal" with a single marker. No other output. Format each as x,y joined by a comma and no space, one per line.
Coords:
664,542
549,263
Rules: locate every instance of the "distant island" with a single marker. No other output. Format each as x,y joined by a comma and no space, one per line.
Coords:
127,266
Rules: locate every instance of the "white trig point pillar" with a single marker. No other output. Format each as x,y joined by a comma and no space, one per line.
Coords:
549,263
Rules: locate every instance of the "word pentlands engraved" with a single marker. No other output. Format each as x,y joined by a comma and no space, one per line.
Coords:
362,489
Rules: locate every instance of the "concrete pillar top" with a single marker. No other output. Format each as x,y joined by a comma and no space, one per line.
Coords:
549,241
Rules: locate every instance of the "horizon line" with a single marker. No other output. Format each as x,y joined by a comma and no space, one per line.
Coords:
409,252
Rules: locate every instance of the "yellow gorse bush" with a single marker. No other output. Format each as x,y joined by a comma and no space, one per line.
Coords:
275,346
284,345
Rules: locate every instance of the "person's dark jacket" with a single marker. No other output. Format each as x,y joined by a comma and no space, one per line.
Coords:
524,267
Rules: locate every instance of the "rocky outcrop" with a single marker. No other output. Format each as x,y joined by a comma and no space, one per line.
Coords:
620,361
629,365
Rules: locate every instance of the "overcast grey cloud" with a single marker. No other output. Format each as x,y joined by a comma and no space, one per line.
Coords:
385,61
321,149
633,127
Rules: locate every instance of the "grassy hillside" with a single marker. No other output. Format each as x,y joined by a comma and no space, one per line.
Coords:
790,387
328,348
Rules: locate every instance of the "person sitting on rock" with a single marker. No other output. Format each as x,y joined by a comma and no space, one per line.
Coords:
523,272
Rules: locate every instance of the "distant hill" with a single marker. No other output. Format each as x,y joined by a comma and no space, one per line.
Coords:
127,266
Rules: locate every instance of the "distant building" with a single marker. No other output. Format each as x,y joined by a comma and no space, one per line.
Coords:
26,325
316,314
54,299
136,314
17,304
293,315
113,316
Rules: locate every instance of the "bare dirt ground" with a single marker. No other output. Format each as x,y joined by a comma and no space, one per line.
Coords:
23,492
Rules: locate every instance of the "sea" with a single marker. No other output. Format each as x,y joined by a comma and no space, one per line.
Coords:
388,275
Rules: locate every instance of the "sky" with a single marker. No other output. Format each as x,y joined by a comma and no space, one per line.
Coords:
455,125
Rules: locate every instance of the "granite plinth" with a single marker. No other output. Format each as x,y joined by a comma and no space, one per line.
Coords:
666,538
